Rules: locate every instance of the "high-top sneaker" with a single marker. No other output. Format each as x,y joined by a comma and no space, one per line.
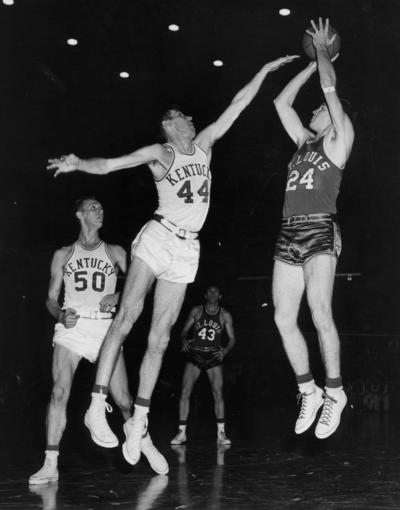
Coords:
310,403
96,421
330,416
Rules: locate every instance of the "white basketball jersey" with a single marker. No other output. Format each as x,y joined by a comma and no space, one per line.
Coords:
184,191
89,275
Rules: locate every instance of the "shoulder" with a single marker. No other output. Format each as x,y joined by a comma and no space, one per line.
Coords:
61,255
196,311
225,315
116,252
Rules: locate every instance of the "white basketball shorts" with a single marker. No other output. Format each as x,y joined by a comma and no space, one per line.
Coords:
85,338
169,257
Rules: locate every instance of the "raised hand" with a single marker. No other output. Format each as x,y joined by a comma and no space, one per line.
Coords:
279,62
320,35
64,164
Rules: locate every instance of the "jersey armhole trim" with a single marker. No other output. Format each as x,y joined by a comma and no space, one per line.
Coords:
170,166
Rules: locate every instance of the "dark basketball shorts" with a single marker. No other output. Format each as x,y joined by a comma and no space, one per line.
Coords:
204,357
303,237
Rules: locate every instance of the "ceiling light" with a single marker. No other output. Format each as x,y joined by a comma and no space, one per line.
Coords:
218,63
124,74
284,12
8,2
173,27
72,42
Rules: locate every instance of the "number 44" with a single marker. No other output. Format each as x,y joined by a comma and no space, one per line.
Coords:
186,193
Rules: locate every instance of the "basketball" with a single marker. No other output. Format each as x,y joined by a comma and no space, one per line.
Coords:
333,49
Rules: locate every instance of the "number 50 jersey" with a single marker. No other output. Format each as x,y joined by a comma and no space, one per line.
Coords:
184,191
207,330
89,275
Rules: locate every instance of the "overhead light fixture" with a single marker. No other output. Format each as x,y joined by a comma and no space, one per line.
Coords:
284,12
72,42
173,27
218,63
124,74
8,2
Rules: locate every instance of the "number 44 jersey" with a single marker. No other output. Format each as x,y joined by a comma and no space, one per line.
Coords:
89,275
184,191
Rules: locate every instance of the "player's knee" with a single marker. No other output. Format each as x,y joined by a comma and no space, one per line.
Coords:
218,395
125,318
284,320
59,395
322,316
158,343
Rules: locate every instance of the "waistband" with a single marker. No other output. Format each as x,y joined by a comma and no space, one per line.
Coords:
96,315
304,218
205,349
179,232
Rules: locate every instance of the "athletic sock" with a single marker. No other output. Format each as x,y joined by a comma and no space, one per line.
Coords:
142,407
306,383
221,424
182,426
99,388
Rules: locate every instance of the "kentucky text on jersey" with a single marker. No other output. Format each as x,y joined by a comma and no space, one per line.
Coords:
89,262
187,171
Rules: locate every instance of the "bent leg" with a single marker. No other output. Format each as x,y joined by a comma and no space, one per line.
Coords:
319,276
287,290
138,282
189,378
65,363
168,299
216,378
119,388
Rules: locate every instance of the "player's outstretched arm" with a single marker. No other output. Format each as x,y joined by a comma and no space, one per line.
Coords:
283,104
344,133
242,99
102,166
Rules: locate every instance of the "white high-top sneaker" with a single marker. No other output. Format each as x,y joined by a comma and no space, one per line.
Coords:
222,439
330,416
179,438
135,428
48,473
96,422
310,403
156,459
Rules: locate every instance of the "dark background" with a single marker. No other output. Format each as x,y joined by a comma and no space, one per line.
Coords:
57,99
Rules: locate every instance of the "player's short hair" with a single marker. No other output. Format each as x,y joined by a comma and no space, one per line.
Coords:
166,115
80,201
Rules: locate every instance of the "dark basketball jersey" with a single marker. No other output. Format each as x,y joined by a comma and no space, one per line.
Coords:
313,182
207,330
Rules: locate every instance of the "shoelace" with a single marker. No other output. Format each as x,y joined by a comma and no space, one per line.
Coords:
327,410
109,408
304,403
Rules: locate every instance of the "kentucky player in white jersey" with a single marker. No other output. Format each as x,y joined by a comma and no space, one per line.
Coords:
88,270
166,249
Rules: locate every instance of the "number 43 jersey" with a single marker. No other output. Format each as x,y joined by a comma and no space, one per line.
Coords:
89,275
184,191
207,330
313,182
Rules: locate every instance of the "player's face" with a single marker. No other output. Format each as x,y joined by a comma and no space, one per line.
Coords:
92,213
320,118
213,295
182,123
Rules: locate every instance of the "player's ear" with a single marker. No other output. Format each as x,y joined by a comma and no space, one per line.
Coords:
78,214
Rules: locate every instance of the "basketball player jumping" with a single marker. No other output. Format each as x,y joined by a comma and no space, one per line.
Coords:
166,249
88,270
309,242
204,352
